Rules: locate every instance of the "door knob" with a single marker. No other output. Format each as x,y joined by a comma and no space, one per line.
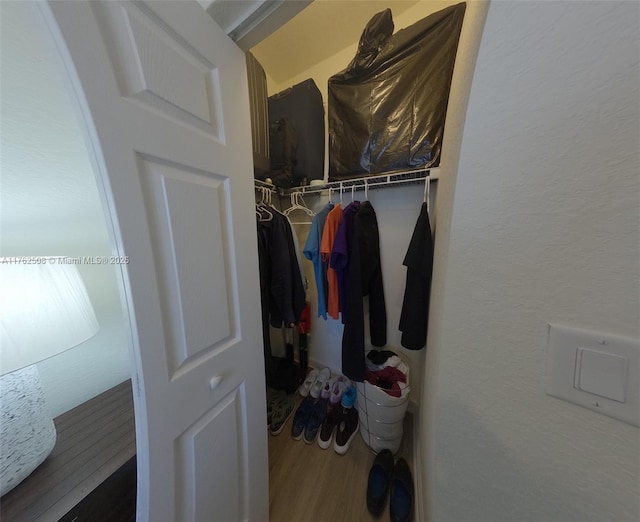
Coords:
215,382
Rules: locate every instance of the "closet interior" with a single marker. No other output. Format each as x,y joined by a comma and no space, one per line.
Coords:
346,158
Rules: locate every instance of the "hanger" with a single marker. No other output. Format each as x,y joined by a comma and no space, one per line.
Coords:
264,214
366,190
353,188
427,192
297,203
341,190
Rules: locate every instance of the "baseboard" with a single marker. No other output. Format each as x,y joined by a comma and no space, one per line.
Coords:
418,480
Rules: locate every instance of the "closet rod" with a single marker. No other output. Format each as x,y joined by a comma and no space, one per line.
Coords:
370,182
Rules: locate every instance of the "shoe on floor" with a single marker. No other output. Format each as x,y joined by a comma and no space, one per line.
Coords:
282,410
308,382
337,390
322,377
273,400
301,417
326,389
329,425
347,429
349,397
379,482
401,498
315,421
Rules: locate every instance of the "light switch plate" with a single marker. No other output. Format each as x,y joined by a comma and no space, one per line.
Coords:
596,370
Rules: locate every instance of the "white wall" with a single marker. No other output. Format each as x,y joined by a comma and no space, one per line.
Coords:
49,200
545,227
397,210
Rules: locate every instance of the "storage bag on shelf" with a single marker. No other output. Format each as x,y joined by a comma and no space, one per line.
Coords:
302,106
387,108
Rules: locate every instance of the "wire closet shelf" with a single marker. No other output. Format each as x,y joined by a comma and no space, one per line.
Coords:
370,182
364,183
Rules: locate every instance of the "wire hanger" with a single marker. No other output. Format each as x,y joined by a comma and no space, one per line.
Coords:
427,192
366,190
341,190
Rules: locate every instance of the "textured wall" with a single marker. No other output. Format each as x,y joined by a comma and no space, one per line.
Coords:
50,204
545,227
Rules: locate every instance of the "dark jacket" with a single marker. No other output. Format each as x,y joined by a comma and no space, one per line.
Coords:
365,278
415,306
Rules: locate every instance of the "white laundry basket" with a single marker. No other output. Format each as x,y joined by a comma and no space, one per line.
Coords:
381,416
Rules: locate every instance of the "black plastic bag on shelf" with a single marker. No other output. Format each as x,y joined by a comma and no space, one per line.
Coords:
387,108
283,145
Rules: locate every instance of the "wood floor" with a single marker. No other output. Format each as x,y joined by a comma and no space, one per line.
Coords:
309,484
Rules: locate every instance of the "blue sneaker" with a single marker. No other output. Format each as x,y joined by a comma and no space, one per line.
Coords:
301,417
349,397
315,421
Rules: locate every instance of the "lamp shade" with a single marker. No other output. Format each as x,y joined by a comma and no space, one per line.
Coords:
44,310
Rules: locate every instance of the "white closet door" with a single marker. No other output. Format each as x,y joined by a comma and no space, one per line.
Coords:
163,94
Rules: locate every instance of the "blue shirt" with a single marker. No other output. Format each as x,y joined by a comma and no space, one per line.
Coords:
312,253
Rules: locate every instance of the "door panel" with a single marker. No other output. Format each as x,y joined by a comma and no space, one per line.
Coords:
186,85
210,436
195,278
163,95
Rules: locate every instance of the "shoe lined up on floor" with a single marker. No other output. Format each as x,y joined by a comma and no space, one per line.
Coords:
301,417
401,496
305,387
281,410
379,482
316,419
387,478
342,420
316,388
325,437
346,430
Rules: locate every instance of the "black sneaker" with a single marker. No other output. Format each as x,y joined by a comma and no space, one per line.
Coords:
347,429
332,420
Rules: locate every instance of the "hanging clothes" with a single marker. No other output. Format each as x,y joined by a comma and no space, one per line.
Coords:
281,280
264,265
312,253
341,251
282,294
365,278
328,238
415,306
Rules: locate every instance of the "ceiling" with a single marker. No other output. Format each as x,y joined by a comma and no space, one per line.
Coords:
318,32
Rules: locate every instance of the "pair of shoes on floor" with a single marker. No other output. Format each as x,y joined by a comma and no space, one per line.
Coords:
308,418
386,476
279,409
343,421
314,383
334,388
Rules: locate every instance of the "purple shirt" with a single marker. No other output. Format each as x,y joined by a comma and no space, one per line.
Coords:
339,260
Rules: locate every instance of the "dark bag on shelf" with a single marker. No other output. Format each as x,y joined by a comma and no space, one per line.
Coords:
387,108
302,106
283,145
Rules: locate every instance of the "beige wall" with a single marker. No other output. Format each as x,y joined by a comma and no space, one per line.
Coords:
544,228
49,201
